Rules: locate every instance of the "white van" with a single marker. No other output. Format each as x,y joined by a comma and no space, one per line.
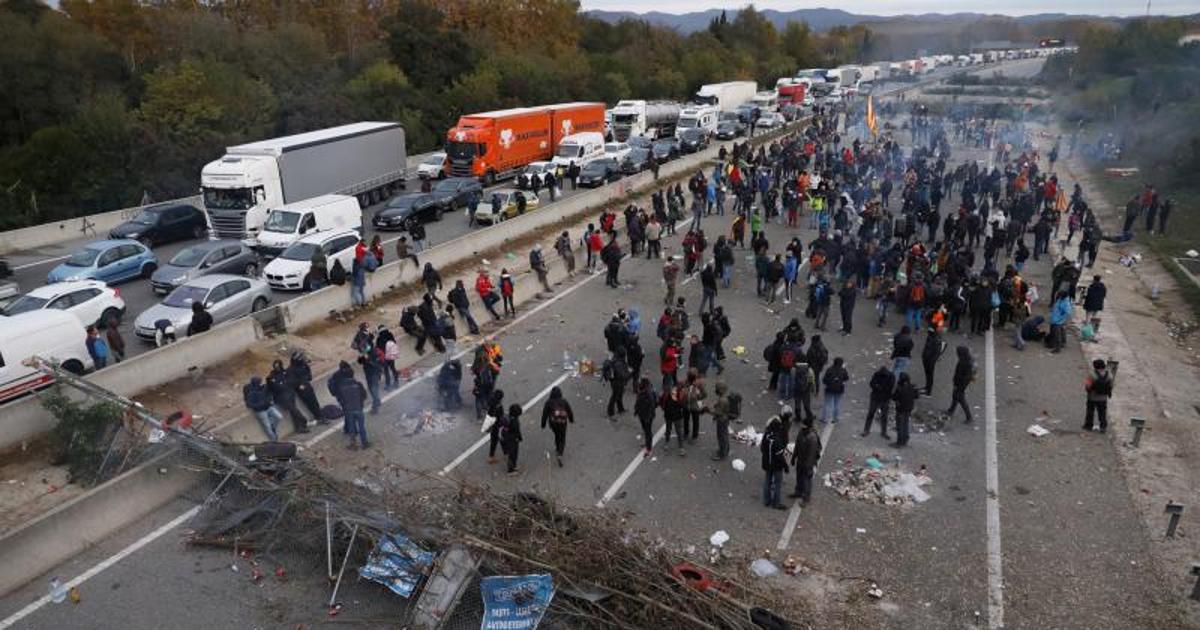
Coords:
698,117
579,148
287,224
48,333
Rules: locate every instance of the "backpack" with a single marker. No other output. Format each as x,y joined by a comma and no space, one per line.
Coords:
735,405
787,358
804,380
916,295
1103,386
559,415
370,262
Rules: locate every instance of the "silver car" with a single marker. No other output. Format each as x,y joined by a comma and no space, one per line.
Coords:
225,297
202,259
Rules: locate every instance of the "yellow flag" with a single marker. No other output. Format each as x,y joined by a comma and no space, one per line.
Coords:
871,115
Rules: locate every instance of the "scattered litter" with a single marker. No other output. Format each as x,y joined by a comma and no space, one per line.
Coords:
929,422
888,486
719,537
859,530
749,436
1192,253
739,350
427,421
529,347
1037,430
874,463
738,465
763,568
790,566
875,591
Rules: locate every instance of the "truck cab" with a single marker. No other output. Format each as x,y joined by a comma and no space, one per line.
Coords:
238,191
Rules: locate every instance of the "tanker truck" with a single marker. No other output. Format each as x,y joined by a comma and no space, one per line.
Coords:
649,119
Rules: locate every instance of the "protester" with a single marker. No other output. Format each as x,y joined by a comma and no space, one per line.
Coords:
964,375
1099,387
774,463
257,398
557,413
805,455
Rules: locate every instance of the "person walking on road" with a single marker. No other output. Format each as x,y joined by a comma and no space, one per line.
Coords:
510,437
674,405
644,407
495,409
458,299
902,347
883,382
805,455
905,398
616,372
1099,387
817,356
846,299
563,247
557,414
670,273
1060,315
835,385
931,352
96,347
803,385
1093,301
773,449
723,411
537,262
964,375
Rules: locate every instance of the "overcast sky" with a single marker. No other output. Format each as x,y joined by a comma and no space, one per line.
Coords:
896,7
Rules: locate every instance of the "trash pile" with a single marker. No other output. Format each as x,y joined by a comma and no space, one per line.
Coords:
875,483
749,436
929,421
427,421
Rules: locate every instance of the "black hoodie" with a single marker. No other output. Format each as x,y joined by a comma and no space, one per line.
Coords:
964,370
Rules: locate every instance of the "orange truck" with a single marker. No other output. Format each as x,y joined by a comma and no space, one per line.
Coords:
498,144
792,94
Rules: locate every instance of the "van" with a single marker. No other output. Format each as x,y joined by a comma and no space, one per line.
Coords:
579,148
48,333
698,117
288,223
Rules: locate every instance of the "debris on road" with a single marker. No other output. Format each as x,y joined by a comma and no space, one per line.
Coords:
885,486
749,436
763,568
929,421
875,591
720,537
1037,430
738,465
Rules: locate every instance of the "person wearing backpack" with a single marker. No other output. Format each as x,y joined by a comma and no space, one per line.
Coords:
557,413
788,353
835,386
510,437
616,372
773,449
1099,387
771,354
803,385
882,384
916,304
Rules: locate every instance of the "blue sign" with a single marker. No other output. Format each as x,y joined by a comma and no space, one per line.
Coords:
515,602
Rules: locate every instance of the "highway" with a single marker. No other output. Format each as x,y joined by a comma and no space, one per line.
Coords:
31,266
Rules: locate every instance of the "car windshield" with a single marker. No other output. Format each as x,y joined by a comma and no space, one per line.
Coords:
147,217
403,203
688,123
228,198
638,155
569,151
446,185
24,304
283,221
83,258
639,141
184,296
461,150
435,160
299,251
615,148
691,134
189,257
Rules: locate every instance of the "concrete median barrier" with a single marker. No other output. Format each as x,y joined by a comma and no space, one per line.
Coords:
56,232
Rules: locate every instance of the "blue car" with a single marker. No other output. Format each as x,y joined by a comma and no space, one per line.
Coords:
111,261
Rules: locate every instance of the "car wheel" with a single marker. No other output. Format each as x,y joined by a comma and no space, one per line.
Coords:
259,304
199,231
148,269
73,366
109,314
251,270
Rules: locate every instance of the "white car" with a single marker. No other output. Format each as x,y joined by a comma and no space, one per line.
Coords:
433,167
617,150
92,301
771,120
289,272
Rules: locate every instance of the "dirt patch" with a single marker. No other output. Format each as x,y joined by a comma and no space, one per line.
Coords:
30,485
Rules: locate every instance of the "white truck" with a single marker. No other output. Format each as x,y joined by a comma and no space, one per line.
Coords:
648,119
365,160
726,97
698,117
843,76
766,101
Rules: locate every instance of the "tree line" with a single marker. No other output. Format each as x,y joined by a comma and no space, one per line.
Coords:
106,101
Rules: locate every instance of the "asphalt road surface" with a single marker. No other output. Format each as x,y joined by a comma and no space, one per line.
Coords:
1064,549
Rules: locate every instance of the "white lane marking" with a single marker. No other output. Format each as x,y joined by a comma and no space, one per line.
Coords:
483,440
103,565
785,538
39,262
628,472
995,559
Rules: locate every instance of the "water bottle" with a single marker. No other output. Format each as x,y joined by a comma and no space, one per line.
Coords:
897,461
58,593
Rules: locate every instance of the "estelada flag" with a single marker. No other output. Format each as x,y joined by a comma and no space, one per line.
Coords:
871,115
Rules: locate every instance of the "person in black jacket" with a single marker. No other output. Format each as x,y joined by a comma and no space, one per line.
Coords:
495,410
931,352
816,357
773,449
964,374
458,298
353,397
615,334
299,378
510,436
835,385
616,371
257,397
882,384
805,455
644,407
285,396
708,283
557,413
847,297
902,347
905,398
427,314
202,320
333,384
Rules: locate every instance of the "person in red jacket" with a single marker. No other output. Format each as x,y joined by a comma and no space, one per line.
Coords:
506,291
670,364
487,294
